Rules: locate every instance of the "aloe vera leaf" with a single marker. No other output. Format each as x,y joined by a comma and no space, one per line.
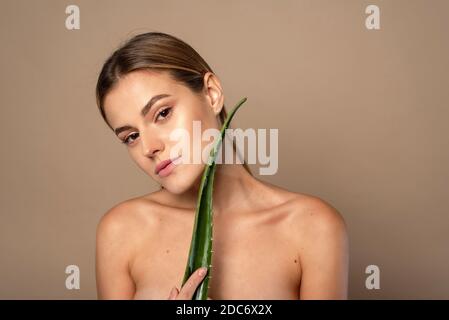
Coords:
200,253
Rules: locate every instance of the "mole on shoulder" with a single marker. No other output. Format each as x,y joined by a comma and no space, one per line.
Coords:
295,261
169,251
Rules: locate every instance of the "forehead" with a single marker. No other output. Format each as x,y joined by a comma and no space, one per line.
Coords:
133,91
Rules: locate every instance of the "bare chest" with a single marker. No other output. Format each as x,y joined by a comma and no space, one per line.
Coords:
251,260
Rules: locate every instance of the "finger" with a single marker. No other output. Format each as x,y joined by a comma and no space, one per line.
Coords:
187,291
170,296
173,293
191,284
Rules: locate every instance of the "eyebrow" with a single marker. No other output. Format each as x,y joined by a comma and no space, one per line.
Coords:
144,111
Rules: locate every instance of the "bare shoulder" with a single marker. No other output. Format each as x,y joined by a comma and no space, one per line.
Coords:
322,243
118,235
310,215
317,220
126,218
321,238
318,215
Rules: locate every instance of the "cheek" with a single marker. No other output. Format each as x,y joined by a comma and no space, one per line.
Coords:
186,116
195,121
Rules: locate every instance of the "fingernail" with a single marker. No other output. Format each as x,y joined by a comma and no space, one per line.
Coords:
202,271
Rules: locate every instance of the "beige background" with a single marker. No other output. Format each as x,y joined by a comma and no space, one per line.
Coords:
362,118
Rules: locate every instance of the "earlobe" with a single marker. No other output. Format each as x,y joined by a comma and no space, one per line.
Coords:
217,108
214,92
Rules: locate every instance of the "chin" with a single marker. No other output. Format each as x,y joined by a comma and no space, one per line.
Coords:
183,178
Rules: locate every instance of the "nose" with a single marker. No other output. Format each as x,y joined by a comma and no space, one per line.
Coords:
151,145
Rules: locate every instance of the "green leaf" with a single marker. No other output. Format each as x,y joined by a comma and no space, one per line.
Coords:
200,253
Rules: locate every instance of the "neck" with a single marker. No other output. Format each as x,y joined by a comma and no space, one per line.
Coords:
232,186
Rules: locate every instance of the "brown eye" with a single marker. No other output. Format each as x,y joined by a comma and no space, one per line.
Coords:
164,113
133,136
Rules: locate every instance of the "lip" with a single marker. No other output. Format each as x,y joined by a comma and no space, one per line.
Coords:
165,167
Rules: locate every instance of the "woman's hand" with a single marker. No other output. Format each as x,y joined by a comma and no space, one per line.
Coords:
187,291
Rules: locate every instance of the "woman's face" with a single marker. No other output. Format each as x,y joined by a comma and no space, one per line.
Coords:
146,135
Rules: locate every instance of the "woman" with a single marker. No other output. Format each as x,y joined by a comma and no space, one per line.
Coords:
268,243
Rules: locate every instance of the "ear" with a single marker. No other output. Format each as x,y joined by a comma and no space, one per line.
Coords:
214,92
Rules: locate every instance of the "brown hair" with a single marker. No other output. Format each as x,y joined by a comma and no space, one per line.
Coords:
155,50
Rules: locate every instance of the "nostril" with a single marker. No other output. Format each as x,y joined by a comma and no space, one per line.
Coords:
150,153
